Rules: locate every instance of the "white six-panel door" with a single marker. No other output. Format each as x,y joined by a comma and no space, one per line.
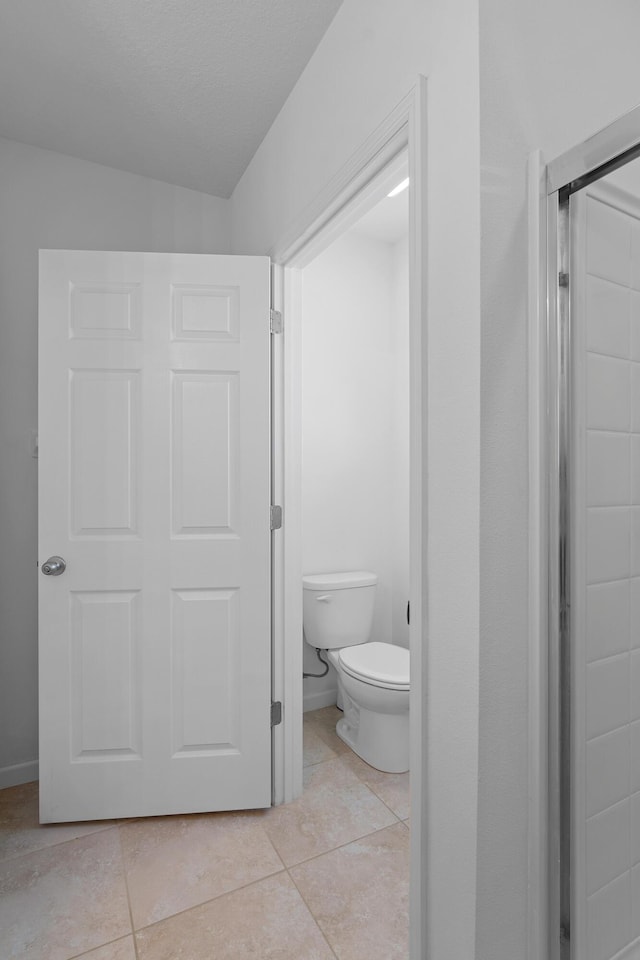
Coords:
155,489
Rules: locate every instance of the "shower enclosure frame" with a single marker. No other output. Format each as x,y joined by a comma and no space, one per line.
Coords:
551,188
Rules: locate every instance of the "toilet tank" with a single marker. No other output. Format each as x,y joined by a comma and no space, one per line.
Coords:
338,608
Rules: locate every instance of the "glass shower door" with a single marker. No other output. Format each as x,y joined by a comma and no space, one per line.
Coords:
603,513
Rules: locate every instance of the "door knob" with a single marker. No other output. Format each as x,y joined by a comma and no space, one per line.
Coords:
53,567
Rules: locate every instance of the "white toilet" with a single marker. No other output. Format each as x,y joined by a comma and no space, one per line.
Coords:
373,678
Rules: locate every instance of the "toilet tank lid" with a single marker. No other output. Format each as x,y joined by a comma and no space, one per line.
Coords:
339,581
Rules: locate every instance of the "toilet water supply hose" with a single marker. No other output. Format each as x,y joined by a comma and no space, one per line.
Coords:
325,664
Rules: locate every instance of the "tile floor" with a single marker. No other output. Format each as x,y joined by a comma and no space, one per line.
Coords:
323,878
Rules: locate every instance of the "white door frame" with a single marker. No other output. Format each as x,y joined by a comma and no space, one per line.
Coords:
337,207
547,258
537,866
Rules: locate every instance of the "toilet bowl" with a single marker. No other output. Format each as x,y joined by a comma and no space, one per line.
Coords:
373,677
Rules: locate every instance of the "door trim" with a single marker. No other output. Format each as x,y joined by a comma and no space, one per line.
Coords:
339,205
325,219
537,920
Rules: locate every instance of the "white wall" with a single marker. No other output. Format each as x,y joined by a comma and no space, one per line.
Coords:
51,200
539,89
399,459
354,467
368,60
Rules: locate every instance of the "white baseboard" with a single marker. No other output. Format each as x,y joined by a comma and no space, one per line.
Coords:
322,698
18,773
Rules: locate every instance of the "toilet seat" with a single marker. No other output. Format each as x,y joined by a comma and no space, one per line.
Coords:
379,664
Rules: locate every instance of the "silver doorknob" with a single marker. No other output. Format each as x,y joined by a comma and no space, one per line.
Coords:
53,567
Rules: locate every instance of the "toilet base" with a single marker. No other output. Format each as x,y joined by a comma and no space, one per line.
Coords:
381,740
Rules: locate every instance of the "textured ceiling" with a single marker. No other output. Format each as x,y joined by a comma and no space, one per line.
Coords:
179,90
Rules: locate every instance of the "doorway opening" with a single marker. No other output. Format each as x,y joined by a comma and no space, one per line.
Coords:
339,206
288,432
350,399
355,419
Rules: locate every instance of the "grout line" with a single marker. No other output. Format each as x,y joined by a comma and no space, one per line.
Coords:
196,906
126,887
324,739
599,583
611,656
275,850
378,797
366,784
623,726
624,872
52,846
628,432
616,283
341,846
312,915
318,856
87,953
317,763
618,507
390,809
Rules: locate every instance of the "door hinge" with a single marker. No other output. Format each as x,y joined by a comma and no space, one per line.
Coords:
276,713
563,279
276,517
275,322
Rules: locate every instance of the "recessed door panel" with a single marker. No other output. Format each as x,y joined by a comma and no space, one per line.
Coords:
205,453
106,704
205,312
104,440
206,690
104,310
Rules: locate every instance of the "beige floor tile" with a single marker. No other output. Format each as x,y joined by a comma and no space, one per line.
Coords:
323,723
359,895
315,750
20,831
173,863
61,902
335,808
392,788
267,920
118,950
